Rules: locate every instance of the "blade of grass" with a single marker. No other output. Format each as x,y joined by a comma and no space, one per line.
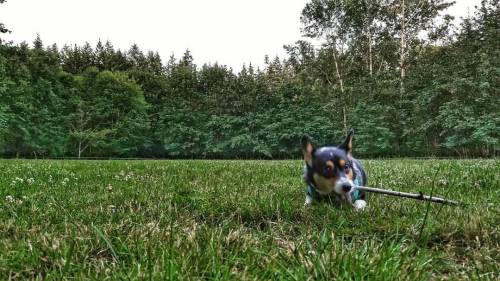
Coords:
106,241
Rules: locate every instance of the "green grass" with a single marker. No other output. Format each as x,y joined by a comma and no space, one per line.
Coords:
243,220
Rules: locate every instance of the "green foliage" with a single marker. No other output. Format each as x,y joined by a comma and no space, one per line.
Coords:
85,101
108,114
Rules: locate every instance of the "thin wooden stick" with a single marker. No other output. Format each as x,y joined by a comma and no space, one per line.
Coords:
407,195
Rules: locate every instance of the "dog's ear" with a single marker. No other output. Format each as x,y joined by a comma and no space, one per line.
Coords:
307,150
347,144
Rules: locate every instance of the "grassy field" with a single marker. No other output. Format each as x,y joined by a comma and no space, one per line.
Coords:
243,220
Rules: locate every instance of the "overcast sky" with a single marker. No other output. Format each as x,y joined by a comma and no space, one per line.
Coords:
231,32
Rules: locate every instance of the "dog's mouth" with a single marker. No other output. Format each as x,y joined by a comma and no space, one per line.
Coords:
338,185
343,186
346,187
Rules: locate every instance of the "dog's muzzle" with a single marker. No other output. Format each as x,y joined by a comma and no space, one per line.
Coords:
343,186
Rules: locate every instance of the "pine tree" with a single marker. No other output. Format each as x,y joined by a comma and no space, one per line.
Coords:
136,57
88,58
38,44
154,63
3,29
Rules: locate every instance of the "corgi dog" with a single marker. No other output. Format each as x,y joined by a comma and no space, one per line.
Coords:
330,172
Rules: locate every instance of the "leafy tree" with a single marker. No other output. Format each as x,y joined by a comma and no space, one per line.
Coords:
103,105
84,101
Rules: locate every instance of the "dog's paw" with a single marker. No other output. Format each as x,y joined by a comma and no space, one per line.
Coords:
308,201
359,204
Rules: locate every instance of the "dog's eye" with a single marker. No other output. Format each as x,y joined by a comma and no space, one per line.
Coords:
329,166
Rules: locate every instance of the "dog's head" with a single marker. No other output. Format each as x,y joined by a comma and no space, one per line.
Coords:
331,165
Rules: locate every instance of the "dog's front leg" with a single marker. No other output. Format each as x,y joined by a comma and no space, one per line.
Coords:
309,200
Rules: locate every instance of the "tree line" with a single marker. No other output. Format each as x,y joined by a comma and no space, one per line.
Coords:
397,71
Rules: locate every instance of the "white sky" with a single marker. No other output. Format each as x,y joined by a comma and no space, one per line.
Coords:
231,32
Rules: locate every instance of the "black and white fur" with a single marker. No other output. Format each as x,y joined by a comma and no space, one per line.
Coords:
331,171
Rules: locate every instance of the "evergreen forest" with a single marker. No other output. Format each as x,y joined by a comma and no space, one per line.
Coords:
408,80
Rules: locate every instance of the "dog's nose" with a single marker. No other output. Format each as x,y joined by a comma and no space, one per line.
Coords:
346,187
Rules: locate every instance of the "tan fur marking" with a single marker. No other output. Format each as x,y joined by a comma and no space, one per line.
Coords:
323,184
350,174
341,162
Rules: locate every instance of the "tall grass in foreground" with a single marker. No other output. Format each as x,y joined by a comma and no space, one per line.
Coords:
243,220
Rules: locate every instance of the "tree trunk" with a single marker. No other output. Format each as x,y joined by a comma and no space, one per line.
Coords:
79,149
402,49
337,70
370,52
368,30
341,87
